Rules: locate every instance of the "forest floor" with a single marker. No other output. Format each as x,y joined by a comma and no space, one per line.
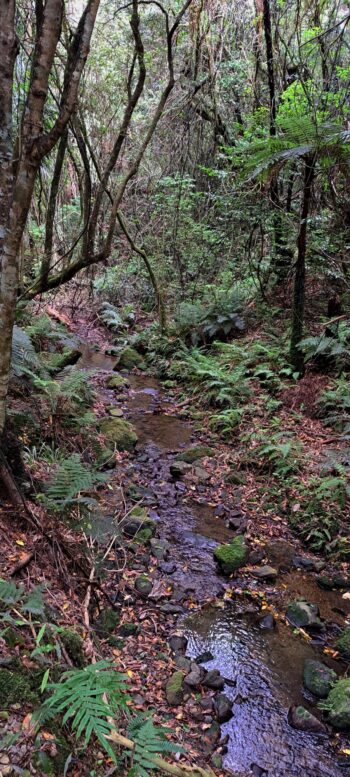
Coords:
131,604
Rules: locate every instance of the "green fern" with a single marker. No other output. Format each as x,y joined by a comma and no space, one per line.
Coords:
89,699
71,478
111,317
24,359
149,742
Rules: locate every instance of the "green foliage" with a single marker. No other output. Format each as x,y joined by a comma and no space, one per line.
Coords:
89,699
334,405
215,384
150,741
336,348
70,479
24,360
111,317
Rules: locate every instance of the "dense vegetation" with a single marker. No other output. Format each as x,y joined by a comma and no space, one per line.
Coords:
176,177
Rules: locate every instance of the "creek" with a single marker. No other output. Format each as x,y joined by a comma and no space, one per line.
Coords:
265,668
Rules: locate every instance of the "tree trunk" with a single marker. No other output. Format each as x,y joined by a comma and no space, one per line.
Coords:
296,355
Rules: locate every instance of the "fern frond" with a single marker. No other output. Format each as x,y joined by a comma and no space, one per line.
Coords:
150,741
71,477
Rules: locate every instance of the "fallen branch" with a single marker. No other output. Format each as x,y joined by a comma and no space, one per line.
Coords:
159,763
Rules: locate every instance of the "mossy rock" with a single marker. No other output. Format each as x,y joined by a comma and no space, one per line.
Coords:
337,704
318,678
74,646
105,458
117,382
231,556
119,432
115,412
107,622
303,614
174,689
343,643
143,585
130,358
128,629
139,524
20,685
195,453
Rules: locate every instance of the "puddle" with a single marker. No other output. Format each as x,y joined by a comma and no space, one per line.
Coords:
96,360
166,431
267,668
210,525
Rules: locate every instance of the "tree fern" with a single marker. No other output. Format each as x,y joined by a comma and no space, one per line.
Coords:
149,742
89,699
71,477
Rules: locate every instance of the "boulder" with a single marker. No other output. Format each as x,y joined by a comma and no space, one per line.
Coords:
337,704
143,586
117,382
195,453
174,689
343,643
301,719
318,678
195,676
231,556
130,358
178,643
265,573
303,615
214,680
119,432
267,622
223,707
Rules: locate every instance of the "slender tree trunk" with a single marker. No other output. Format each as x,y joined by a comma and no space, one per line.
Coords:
51,207
8,53
296,355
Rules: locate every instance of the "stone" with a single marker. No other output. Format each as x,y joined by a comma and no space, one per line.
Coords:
115,412
168,567
303,562
337,704
128,629
303,615
204,657
223,707
179,468
74,646
301,719
343,643
195,676
117,382
174,689
120,432
231,556
267,622
318,678
130,358
333,583
159,548
195,453
143,586
214,680
107,622
182,662
237,523
178,643
265,573
213,732
137,520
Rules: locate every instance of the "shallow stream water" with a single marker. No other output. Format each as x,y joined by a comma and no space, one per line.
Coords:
266,667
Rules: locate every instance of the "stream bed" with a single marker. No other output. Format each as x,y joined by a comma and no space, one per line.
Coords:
264,668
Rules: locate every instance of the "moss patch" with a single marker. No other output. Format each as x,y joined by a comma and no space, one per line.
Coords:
231,556
130,358
19,685
337,704
117,382
343,643
197,452
74,646
174,689
107,621
119,432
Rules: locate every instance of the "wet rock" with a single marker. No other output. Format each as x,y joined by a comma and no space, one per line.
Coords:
223,707
178,643
143,586
280,554
265,573
318,678
303,615
129,358
204,657
138,520
231,556
337,704
303,562
195,453
258,771
171,609
174,689
179,468
343,643
267,622
206,703
301,719
117,382
195,677
119,432
237,523
183,663
333,583
256,555
159,548
168,567
200,475
214,680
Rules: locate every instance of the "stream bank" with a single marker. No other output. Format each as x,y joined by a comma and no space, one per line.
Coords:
263,668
